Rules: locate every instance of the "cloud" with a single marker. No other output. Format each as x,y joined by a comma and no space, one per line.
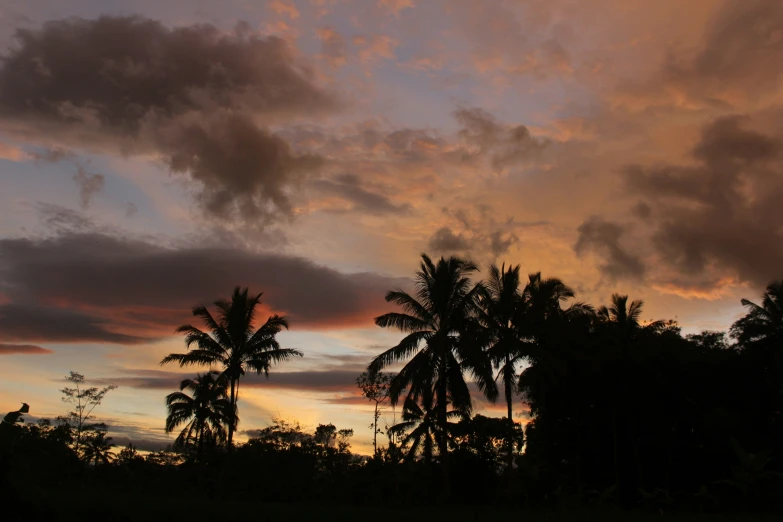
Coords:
500,242
486,138
720,213
330,383
95,286
42,323
192,96
482,235
603,238
284,7
89,185
512,38
348,188
375,46
445,240
736,64
26,349
332,46
395,6
11,153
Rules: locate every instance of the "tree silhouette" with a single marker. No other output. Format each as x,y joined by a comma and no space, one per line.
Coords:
621,319
502,313
205,412
444,307
84,401
96,448
233,343
419,428
763,322
375,388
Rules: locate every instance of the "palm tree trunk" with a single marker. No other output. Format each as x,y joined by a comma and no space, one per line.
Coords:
443,445
232,415
200,443
508,376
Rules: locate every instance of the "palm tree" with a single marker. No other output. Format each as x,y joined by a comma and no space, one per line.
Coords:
763,322
97,449
502,314
419,426
233,343
444,307
624,329
205,412
544,299
621,313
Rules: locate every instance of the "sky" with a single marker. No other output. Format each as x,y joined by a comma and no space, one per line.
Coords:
154,155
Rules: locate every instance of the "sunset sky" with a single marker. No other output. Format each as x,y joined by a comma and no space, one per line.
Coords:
155,154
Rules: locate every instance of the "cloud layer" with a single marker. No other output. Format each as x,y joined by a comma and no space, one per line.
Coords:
96,287
199,99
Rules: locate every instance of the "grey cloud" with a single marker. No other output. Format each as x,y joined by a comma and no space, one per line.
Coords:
445,240
603,238
739,56
42,323
743,47
26,349
52,155
500,242
190,95
327,381
255,167
121,284
486,138
722,212
89,185
349,188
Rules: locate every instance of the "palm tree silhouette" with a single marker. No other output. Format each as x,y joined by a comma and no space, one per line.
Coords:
205,412
502,313
544,299
624,330
233,343
444,307
97,449
621,313
419,426
763,322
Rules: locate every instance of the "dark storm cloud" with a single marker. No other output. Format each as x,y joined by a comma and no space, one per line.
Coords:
88,285
724,210
189,95
603,238
25,349
445,240
349,188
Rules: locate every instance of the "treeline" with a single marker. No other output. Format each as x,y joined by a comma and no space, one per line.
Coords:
622,411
